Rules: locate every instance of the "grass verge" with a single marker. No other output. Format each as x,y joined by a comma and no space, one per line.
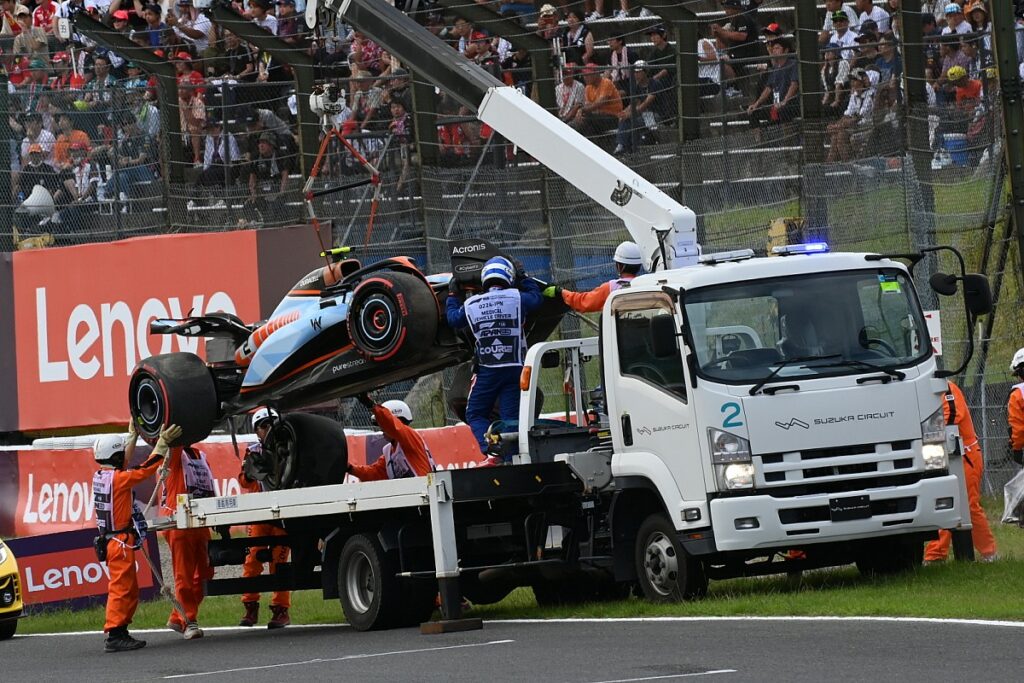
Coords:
951,590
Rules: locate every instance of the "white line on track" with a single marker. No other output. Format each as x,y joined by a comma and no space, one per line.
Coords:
609,620
340,659
669,677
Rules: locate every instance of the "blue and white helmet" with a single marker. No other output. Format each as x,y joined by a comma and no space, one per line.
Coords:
498,268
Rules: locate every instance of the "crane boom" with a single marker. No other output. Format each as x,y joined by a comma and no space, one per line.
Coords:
665,230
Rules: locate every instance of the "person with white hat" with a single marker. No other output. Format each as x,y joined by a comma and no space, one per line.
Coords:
405,454
1015,409
628,262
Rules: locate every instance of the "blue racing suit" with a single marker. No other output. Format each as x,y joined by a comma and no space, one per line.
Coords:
496,318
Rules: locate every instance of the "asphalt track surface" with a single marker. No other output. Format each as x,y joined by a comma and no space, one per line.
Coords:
619,651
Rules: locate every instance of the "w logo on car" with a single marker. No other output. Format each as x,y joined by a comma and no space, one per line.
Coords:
621,194
793,422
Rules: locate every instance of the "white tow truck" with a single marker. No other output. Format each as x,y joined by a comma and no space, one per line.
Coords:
737,416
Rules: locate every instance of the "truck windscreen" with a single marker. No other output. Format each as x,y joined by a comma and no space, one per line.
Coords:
742,332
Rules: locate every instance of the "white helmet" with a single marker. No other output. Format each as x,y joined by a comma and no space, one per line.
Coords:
1018,360
107,446
399,409
262,414
628,254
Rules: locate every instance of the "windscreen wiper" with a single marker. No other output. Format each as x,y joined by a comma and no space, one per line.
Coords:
891,372
785,363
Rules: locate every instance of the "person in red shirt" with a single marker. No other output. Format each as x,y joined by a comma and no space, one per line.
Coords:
628,262
187,473
406,453
122,527
43,14
954,408
262,420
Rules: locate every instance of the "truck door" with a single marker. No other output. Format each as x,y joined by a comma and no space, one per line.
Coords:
653,425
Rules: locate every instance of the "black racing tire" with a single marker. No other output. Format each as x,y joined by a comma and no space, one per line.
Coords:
302,450
890,556
371,594
665,572
8,629
393,317
173,388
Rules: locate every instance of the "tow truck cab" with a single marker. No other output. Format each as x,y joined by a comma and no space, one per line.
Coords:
761,405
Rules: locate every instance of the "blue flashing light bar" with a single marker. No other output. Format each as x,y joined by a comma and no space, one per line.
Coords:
809,248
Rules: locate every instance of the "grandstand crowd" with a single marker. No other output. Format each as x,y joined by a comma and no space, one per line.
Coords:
85,125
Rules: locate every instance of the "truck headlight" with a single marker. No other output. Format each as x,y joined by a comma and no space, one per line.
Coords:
933,442
730,455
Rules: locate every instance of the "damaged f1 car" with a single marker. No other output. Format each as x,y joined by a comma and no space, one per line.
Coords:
341,330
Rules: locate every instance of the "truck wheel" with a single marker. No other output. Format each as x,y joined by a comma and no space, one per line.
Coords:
370,595
393,316
664,570
302,450
8,629
890,556
173,388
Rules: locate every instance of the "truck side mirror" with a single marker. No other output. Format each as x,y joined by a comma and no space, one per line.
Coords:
977,294
663,336
550,359
943,284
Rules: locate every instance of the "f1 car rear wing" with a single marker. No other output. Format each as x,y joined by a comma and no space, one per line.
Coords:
665,230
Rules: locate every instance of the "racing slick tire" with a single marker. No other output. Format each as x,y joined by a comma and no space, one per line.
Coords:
173,388
301,450
393,316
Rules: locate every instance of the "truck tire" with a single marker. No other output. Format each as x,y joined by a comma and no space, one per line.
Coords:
173,388
889,556
665,571
393,316
302,450
8,629
372,596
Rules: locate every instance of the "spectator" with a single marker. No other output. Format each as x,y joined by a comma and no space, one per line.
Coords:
9,25
778,101
547,23
191,26
268,176
709,68
843,36
43,15
99,93
517,70
955,20
134,79
866,52
661,57
119,20
890,67
237,61
37,137
569,94
601,104
78,189
620,58
186,71
37,170
33,93
30,40
952,55
220,152
637,119
400,125
977,16
66,139
153,34
577,41
261,16
259,121
739,35
364,100
133,155
869,11
834,75
858,114
965,95
290,28
192,117
368,53
828,28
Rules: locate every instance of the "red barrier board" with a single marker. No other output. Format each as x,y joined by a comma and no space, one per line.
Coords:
82,316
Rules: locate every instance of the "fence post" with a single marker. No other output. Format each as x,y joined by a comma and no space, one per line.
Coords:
1004,41
6,207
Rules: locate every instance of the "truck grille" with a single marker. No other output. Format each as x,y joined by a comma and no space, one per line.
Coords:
10,590
820,513
823,465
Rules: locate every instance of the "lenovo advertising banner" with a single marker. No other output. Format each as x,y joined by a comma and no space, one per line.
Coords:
61,569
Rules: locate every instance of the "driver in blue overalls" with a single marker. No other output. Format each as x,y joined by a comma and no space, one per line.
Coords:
495,317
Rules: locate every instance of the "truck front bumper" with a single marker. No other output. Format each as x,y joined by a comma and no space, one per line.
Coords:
763,521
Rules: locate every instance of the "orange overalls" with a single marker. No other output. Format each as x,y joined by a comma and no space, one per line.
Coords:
954,407
592,301
188,546
123,589
1015,418
278,554
406,456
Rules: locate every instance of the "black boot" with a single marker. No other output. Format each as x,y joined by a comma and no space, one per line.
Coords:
118,640
252,614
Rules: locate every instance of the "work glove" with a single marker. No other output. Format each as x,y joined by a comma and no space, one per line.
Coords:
365,399
168,435
552,292
519,270
454,288
133,435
